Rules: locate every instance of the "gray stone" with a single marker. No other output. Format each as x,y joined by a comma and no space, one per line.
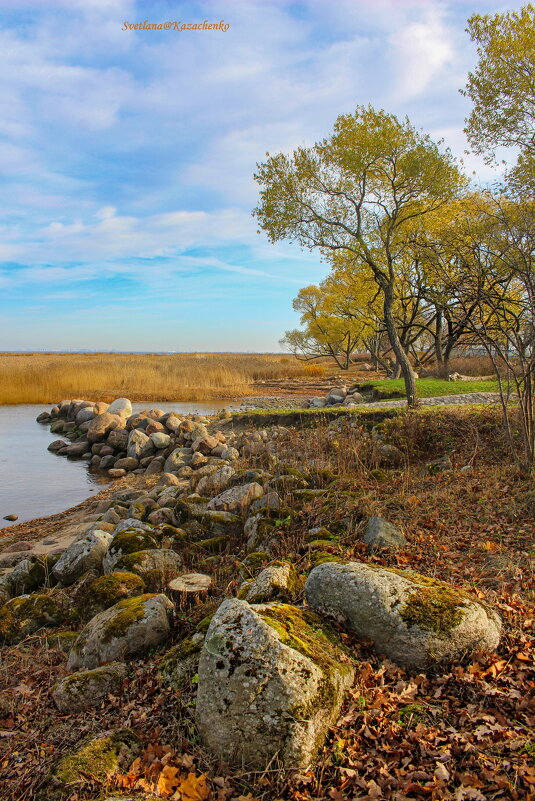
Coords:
126,629
102,424
276,582
131,522
217,482
381,533
82,555
120,406
139,444
118,439
87,689
413,620
236,499
155,566
262,695
177,459
85,415
160,440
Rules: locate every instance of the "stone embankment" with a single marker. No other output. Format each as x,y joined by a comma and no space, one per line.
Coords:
270,670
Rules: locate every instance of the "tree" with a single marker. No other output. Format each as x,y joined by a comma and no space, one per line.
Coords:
327,330
356,192
491,273
502,88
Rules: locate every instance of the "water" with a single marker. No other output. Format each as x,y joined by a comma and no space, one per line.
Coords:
35,482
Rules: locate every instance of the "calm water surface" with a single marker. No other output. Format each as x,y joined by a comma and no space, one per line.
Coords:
36,483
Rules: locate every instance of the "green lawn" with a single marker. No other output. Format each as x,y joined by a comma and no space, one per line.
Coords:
427,387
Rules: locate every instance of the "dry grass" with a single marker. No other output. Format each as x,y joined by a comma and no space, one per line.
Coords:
49,377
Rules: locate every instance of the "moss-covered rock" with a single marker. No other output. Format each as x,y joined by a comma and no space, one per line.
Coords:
26,614
129,540
271,682
62,640
320,533
88,688
279,581
212,544
156,567
253,564
411,618
108,590
130,627
101,758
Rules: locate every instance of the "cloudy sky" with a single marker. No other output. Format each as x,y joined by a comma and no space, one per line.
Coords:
127,155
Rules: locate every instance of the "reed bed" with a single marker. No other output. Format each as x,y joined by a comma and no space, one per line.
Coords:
50,377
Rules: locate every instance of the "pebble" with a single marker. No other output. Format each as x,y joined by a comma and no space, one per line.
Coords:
11,517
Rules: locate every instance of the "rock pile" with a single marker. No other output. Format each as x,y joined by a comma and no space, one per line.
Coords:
114,440
270,671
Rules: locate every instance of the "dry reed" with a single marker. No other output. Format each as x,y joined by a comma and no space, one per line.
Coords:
50,377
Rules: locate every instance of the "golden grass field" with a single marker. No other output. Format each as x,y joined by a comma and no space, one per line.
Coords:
50,377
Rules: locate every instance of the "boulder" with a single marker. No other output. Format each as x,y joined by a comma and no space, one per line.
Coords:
82,555
118,439
128,540
413,620
271,681
84,415
381,533
128,628
160,440
217,482
139,444
177,459
89,688
336,396
76,449
106,591
102,424
156,567
279,582
180,663
26,614
236,499
127,463
318,403
121,406
101,758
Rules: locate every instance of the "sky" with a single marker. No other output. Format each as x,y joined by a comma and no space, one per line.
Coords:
127,156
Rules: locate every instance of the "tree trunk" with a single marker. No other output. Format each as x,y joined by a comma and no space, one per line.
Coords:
401,356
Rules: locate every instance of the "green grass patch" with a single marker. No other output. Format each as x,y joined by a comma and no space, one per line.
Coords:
426,387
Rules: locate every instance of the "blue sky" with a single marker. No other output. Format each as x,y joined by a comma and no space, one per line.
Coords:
127,156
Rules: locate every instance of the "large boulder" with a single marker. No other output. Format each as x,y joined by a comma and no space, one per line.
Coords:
82,555
120,406
101,425
118,439
236,499
87,689
270,683
128,628
413,620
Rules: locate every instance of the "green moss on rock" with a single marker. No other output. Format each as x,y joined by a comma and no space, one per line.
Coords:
107,591
62,640
100,759
129,611
26,614
132,540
